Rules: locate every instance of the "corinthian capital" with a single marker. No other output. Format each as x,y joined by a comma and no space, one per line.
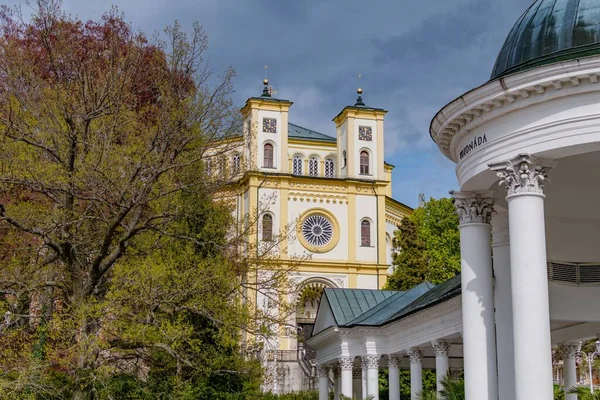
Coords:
473,208
346,363
569,350
322,371
523,174
441,349
415,355
371,361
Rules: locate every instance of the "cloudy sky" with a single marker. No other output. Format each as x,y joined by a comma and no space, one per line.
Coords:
414,57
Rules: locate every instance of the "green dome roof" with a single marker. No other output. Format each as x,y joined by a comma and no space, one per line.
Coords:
550,31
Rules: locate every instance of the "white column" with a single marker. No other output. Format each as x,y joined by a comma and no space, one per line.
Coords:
441,350
416,373
523,177
323,382
357,383
373,376
346,365
336,382
365,377
394,377
479,336
569,352
503,305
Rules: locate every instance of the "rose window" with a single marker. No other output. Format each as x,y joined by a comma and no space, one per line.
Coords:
317,230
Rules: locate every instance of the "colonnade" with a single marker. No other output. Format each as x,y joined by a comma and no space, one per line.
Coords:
506,317
359,382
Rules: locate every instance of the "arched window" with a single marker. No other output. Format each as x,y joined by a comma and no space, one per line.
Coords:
313,166
235,163
268,156
344,159
364,162
365,233
297,165
267,228
329,168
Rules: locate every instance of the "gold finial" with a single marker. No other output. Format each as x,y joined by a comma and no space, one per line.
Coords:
359,91
265,81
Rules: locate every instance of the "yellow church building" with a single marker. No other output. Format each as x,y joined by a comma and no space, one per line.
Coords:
336,192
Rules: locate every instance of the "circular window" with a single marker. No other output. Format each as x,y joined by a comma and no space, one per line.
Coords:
317,230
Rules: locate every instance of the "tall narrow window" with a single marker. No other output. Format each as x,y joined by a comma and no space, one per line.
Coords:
267,228
364,163
329,168
344,163
365,233
297,165
208,167
313,166
235,162
222,165
268,156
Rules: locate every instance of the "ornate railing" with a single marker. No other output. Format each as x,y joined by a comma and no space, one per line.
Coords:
575,273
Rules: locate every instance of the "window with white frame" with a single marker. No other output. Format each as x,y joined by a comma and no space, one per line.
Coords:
267,228
313,166
329,168
364,162
268,156
365,233
297,165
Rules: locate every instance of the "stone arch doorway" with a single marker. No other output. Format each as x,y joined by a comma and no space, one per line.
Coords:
307,303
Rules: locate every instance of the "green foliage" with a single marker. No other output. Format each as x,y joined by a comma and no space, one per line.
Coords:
559,393
429,383
583,393
428,246
308,395
453,389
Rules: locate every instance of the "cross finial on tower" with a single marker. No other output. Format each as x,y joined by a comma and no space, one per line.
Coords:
359,100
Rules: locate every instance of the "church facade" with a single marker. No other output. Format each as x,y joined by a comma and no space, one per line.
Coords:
326,201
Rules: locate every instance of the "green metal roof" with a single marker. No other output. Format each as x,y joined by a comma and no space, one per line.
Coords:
360,307
550,31
347,304
441,292
298,132
387,308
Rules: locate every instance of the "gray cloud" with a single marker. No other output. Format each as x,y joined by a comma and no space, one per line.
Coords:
414,57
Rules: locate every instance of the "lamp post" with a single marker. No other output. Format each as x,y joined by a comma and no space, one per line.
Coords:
590,359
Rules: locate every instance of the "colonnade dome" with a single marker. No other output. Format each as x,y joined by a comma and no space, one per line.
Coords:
550,31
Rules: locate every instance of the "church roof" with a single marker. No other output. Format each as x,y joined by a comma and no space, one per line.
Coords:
550,31
298,132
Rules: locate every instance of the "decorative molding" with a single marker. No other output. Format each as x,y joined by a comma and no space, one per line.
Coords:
371,361
322,371
318,198
523,174
318,186
415,355
393,361
474,208
441,349
508,94
569,350
346,363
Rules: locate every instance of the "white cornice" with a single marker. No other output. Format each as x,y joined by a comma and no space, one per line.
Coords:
511,93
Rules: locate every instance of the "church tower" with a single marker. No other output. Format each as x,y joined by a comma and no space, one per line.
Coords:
266,132
360,141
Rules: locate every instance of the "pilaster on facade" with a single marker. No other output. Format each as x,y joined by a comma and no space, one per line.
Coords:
523,174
